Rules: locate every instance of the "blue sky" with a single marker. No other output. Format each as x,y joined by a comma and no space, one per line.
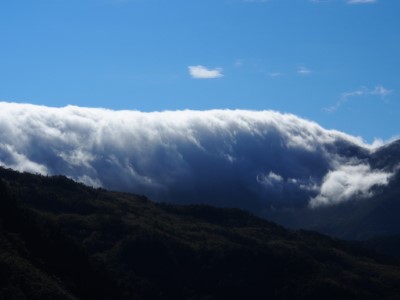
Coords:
335,62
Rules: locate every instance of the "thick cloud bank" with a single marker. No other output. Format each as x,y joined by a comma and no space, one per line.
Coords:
251,159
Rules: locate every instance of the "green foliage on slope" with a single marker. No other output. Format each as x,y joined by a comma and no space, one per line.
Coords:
62,240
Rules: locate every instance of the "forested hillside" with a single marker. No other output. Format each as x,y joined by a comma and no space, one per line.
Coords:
63,240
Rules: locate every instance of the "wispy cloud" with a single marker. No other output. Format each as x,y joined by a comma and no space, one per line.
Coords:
275,74
255,1
238,62
379,91
201,72
346,1
361,1
319,1
302,70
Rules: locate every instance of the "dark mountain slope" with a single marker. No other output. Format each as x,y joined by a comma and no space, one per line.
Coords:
390,245
66,240
20,272
38,261
387,156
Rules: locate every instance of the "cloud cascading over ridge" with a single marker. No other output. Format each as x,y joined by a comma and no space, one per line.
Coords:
248,159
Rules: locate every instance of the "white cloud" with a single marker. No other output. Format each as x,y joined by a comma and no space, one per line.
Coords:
225,157
238,63
302,70
201,72
17,161
255,1
361,1
378,90
319,1
270,179
346,1
275,74
349,181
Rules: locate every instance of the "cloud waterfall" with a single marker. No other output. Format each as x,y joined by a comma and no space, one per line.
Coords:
239,158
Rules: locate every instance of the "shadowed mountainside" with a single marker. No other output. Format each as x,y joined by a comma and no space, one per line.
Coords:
63,240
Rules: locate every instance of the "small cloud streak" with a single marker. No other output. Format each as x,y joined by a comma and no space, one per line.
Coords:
271,179
378,90
361,1
201,72
302,70
255,1
238,63
319,1
275,74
